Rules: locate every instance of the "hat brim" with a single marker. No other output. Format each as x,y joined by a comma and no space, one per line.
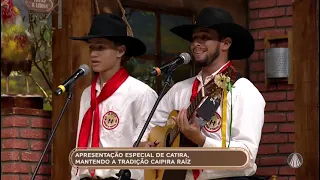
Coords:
134,46
242,41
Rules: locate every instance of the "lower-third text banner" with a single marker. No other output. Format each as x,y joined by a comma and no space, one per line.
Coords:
160,158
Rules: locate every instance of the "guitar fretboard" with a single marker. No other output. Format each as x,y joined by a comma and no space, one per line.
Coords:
192,107
194,104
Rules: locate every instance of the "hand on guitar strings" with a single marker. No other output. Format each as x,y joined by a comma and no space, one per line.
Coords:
191,129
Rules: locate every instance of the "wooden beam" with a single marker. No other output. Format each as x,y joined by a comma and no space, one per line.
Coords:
306,77
156,8
68,55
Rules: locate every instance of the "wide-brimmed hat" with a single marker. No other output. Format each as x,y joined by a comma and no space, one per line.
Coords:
113,28
218,19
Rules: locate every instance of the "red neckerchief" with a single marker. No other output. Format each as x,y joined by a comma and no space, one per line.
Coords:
195,86
108,89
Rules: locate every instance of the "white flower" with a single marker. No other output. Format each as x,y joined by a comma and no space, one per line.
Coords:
222,81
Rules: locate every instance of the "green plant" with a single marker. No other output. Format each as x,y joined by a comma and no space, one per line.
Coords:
40,33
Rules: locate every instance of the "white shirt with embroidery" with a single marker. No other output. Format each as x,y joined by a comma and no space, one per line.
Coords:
248,118
131,104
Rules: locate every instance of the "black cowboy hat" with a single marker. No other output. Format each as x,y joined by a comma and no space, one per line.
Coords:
215,18
113,28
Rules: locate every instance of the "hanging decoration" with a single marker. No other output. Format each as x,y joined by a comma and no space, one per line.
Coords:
39,5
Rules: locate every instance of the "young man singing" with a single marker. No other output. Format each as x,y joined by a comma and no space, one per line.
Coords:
239,117
114,108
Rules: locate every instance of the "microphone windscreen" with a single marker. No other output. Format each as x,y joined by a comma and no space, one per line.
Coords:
186,57
85,68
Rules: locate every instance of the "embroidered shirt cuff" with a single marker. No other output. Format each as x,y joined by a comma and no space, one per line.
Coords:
209,142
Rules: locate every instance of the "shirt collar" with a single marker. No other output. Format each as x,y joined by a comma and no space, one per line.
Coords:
210,77
98,87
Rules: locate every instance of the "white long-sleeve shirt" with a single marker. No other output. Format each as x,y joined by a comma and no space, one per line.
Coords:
248,118
131,105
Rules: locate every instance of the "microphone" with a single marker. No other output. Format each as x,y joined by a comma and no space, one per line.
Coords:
183,58
82,71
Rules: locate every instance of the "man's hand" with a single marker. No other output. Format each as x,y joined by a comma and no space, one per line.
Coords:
190,129
149,144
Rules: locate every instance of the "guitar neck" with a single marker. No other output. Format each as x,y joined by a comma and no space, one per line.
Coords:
192,107
194,104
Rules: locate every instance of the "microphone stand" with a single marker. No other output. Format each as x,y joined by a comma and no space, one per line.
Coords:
125,174
70,94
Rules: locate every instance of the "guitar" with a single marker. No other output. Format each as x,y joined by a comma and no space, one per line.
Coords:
170,136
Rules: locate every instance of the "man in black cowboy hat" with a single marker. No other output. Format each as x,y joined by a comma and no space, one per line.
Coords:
115,107
239,117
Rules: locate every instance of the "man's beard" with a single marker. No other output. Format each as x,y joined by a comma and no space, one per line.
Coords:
209,60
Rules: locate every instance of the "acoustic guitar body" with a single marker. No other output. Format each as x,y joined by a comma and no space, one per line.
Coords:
163,135
168,136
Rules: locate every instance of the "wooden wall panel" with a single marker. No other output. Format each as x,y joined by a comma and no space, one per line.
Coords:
306,77
67,57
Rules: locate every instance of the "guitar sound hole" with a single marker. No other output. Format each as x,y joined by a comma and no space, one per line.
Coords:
168,140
